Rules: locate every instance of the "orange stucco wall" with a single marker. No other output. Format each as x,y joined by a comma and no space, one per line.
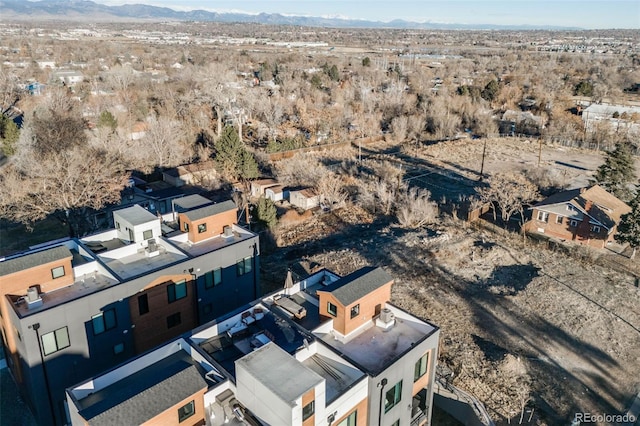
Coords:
215,224
169,417
361,417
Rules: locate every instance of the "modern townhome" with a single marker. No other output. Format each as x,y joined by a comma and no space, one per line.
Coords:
324,351
75,307
588,216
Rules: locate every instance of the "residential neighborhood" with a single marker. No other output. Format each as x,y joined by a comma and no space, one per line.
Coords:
306,214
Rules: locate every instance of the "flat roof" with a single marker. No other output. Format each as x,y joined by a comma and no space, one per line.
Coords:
136,215
22,262
191,201
281,373
211,210
374,349
358,284
338,376
146,393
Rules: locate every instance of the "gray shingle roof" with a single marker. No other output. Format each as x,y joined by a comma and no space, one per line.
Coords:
191,201
27,261
211,210
358,284
145,394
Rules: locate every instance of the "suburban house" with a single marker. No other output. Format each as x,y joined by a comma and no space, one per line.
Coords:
75,307
203,174
67,77
588,216
620,118
304,198
258,187
326,350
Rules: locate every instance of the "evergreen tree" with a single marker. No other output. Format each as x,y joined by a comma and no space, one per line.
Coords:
9,134
629,227
108,120
266,212
617,172
232,157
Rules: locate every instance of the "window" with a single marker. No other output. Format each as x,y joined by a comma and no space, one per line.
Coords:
308,410
207,309
55,341
543,216
174,320
393,396
351,420
332,309
595,229
396,423
118,226
355,311
559,219
57,272
571,208
573,223
202,228
186,411
213,278
421,367
118,349
143,304
147,235
103,321
186,227
244,266
177,291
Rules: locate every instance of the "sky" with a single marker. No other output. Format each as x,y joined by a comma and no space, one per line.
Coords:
586,14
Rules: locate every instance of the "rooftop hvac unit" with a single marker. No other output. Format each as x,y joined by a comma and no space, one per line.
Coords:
386,316
227,231
33,298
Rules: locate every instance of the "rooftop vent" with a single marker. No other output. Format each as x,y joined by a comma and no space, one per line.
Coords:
227,231
386,320
152,248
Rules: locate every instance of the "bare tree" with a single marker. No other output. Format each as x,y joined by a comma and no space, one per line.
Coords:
509,192
163,144
414,208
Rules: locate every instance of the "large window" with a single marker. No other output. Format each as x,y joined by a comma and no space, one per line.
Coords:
351,420
392,397
174,320
57,272
186,227
595,229
213,278
143,304
244,266
559,219
543,216
332,309
421,367
202,228
355,311
177,291
308,410
186,411
147,235
103,321
55,341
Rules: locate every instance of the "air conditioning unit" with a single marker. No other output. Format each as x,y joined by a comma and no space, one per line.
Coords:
227,231
386,316
152,248
33,298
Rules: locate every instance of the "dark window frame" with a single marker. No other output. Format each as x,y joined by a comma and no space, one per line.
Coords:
202,228
174,320
143,304
421,367
118,348
244,266
213,278
186,411
55,275
310,410
56,340
172,291
396,393
329,309
105,321
355,311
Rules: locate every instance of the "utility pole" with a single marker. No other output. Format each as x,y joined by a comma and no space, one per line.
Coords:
484,151
539,151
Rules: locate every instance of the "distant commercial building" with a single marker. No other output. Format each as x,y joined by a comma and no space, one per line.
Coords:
75,307
324,351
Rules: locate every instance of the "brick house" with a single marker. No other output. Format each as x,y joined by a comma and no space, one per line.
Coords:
588,216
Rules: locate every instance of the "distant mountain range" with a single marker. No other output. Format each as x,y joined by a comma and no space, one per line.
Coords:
86,10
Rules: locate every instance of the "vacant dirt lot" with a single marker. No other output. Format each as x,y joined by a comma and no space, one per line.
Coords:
521,324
